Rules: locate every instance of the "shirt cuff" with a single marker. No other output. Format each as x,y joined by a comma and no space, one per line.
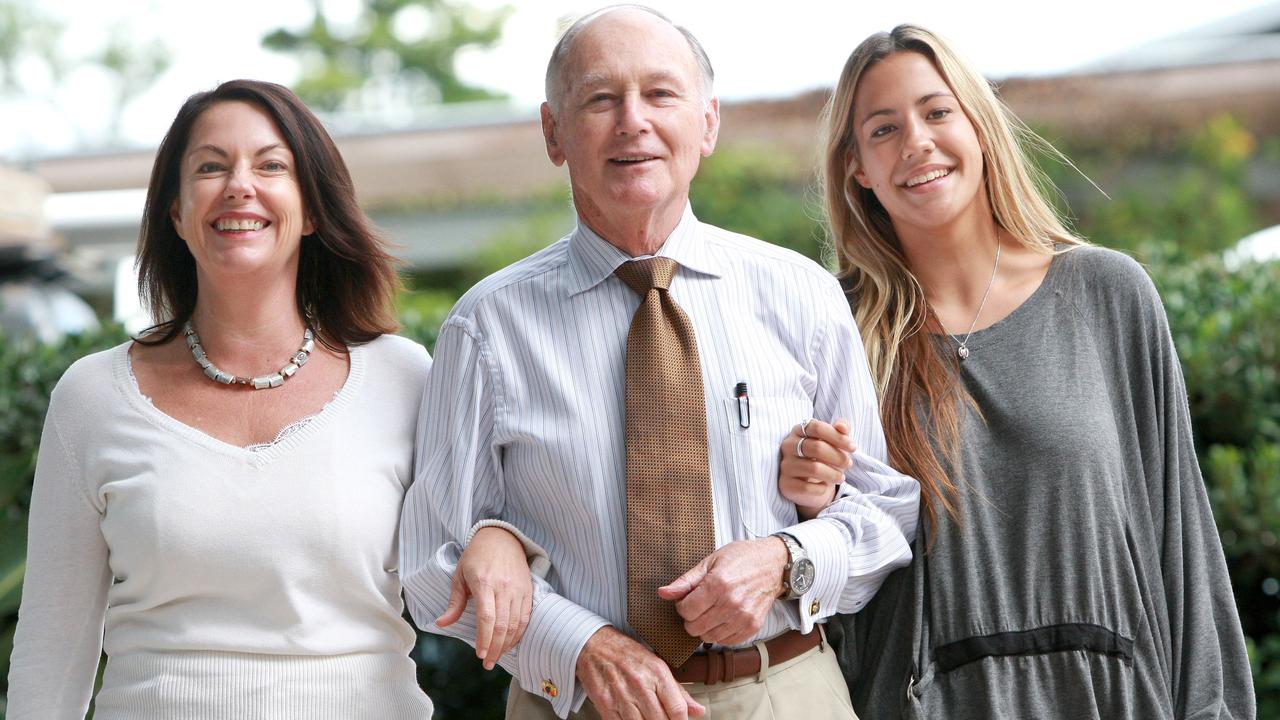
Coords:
558,630
827,546
539,562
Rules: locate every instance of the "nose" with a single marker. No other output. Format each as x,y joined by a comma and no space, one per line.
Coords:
239,184
917,139
633,118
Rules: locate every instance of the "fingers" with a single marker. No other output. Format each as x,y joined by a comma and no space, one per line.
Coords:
696,709
623,679
836,433
486,621
816,450
808,494
694,605
457,602
674,701
680,587
524,610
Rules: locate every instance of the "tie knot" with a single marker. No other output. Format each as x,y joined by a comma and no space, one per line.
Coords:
643,275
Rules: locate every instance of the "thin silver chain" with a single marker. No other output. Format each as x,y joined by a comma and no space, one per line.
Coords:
963,350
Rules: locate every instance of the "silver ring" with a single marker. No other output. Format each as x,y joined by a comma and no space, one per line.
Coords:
803,426
800,448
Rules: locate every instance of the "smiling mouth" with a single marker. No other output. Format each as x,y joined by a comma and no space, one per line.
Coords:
238,225
631,159
926,178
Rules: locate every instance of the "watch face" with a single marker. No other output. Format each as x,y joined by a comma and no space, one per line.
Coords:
801,576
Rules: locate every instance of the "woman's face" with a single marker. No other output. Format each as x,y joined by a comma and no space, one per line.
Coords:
238,207
918,151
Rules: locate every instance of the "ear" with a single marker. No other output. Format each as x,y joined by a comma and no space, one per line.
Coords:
176,218
854,168
554,151
308,226
712,118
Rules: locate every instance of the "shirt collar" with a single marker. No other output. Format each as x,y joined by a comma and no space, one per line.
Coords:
592,259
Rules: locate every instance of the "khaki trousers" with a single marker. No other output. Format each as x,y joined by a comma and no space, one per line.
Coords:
808,687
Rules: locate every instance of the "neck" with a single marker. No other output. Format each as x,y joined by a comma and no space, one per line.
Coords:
953,263
637,233
244,327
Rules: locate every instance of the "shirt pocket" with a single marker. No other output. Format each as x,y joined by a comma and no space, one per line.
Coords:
755,452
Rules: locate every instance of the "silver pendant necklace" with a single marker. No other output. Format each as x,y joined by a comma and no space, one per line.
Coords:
963,350
261,382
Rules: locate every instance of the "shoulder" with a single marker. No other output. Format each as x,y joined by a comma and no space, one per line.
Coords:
508,280
1103,270
92,378
398,358
1111,290
782,263
88,394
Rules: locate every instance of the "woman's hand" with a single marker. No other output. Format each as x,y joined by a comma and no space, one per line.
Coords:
810,481
493,570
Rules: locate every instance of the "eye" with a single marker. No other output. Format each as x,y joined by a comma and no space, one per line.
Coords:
274,166
938,113
882,130
208,168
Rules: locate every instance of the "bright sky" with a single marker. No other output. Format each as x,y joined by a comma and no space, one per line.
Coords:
758,48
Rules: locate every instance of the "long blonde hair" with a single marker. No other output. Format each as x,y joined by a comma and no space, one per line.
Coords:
910,375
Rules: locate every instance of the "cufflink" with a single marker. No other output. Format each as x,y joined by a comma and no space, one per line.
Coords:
549,689
814,607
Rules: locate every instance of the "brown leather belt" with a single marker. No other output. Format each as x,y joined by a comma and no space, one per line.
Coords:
714,666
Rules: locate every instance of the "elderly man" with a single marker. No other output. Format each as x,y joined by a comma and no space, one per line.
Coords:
620,397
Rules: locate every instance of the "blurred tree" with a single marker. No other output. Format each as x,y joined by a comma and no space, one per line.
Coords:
404,49
35,64
28,36
133,68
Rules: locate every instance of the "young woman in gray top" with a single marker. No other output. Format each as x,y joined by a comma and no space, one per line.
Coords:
1068,564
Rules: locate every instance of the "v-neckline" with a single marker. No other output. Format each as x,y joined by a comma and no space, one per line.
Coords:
128,387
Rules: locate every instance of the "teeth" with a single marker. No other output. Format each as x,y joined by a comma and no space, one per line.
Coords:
932,175
633,158
238,224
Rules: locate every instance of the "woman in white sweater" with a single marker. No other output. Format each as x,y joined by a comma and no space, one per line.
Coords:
216,503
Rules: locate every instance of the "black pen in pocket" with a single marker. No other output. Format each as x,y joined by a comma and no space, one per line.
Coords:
744,405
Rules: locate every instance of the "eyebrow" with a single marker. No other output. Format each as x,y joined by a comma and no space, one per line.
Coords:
592,79
223,153
890,111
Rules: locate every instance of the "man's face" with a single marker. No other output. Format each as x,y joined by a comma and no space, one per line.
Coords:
632,121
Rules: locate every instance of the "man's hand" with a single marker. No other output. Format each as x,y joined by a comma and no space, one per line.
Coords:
626,681
725,598
493,569
810,481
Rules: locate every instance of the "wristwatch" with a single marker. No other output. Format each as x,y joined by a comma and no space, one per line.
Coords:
797,575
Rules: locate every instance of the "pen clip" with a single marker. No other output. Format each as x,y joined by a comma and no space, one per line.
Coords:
744,405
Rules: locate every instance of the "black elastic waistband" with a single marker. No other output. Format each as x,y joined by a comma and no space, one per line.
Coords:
1052,638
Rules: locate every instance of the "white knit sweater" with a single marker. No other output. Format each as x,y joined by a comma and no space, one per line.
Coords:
230,583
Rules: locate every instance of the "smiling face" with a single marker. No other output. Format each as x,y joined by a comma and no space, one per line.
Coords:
239,208
632,122
917,150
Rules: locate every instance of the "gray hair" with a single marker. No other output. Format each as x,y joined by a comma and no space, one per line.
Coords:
555,83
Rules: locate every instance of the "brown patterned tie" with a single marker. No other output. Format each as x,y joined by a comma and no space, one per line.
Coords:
669,522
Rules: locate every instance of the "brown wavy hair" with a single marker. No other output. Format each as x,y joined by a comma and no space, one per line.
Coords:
921,396
347,279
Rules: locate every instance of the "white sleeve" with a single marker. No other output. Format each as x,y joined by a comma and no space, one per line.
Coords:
867,532
64,595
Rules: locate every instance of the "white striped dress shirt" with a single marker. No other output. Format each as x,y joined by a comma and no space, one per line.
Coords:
523,416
